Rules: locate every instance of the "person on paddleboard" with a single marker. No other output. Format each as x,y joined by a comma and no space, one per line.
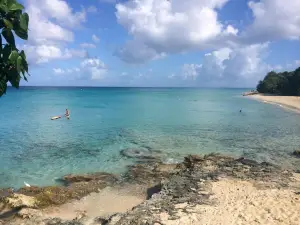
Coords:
67,113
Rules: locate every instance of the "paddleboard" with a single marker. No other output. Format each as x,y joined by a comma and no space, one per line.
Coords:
55,117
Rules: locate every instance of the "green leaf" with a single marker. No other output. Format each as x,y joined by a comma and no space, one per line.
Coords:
25,65
24,20
9,37
3,86
0,45
8,24
19,64
13,56
21,33
3,8
15,7
6,52
14,77
22,53
9,3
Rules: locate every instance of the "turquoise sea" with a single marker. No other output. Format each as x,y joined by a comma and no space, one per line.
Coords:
104,121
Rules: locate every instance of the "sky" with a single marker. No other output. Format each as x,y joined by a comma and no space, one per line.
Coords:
160,43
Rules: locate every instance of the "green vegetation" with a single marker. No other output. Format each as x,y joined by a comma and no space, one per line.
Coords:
13,64
284,83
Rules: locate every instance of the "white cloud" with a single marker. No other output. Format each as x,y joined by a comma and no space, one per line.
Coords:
88,45
190,71
274,20
45,53
95,38
230,67
92,9
91,69
163,27
50,28
58,71
169,27
173,75
95,68
135,52
58,10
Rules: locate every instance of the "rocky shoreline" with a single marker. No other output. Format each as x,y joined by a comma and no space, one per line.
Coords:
169,189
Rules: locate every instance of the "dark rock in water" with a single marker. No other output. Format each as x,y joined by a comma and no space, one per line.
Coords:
248,162
137,153
100,176
296,153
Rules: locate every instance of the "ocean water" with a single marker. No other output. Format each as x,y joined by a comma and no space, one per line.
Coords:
104,121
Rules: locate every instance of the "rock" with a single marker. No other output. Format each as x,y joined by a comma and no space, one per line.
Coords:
296,153
57,221
100,176
6,192
247,162
19,200
77,187
167,168
101,221
114,219
27,213
138,153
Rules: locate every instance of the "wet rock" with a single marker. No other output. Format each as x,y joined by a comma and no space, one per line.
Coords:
19,200
57,221
100,176
150,174
296,153
136,153
247,162
78,187
101,221
114,219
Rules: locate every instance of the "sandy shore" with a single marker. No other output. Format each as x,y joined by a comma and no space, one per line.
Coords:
240,202
289,102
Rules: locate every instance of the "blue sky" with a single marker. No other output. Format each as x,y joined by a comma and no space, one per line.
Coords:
219,43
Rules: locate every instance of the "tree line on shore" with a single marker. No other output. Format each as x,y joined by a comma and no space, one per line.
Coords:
283,83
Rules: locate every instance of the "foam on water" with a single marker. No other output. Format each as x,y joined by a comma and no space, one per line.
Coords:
106,120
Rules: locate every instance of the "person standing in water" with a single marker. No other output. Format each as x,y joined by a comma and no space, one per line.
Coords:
67,114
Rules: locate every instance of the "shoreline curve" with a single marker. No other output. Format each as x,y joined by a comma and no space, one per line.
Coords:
286,102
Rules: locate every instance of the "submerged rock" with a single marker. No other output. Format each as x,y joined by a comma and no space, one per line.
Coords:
100,176
137,153
296,153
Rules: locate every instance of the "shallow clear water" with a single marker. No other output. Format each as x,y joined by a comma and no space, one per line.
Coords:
106,120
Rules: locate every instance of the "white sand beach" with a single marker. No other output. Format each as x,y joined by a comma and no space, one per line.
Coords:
241,202
290,102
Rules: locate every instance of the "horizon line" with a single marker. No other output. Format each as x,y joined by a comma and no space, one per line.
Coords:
49,86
